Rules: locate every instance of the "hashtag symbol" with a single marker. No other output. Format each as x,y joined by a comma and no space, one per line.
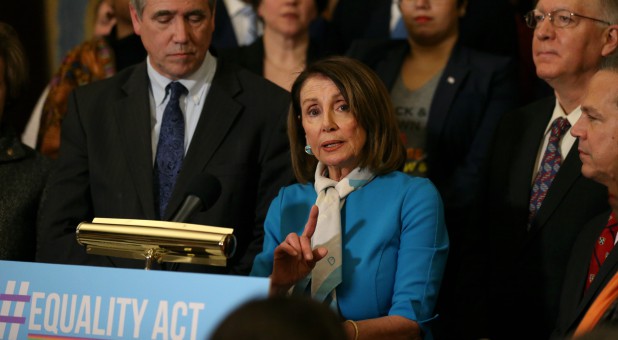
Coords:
16,319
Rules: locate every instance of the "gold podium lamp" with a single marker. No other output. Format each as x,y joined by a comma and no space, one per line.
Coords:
157,241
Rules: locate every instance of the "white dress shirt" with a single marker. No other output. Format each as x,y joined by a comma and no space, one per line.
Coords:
567,140
198,84
244,21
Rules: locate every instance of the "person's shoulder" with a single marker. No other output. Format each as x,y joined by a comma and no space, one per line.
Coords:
535,108
370,44
89,61
484,60
513,123
257,87
297,189
232,54
295,194
40,165
399,176
78,52
249,57
238,54
29,161
368,49
116,82
405,182
406,189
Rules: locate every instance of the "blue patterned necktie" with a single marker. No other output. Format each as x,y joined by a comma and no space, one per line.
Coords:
550,165
170,149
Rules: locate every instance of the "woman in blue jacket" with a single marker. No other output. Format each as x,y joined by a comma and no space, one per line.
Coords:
355,232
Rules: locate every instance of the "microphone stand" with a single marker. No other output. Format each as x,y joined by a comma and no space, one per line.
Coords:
150,256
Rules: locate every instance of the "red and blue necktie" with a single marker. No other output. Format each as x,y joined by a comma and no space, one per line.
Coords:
602,247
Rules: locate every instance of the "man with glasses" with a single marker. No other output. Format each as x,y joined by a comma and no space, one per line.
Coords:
535,199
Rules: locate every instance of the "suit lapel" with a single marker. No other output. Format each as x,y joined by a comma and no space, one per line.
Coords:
217,117
569,172
606,272
452,79
534,124
389,67
133,117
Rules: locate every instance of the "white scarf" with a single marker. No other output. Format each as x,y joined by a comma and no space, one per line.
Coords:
326,275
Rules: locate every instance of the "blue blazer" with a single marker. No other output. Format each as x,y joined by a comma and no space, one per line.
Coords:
394,245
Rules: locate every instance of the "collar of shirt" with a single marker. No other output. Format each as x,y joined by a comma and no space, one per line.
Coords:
567,140
196,83
395,14
235,7
572,117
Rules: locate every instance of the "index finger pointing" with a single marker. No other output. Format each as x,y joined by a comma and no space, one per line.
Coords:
311,222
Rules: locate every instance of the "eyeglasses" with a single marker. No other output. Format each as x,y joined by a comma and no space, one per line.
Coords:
558,18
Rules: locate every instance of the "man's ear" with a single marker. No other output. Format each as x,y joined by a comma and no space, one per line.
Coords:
611,40
137,22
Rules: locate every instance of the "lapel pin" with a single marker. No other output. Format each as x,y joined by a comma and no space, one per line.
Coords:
450,80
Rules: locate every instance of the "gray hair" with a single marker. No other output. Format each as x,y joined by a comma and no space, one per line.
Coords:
609,8
140,4
610,62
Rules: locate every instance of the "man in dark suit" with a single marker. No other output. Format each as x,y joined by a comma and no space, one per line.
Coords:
234,129
522,241
597,132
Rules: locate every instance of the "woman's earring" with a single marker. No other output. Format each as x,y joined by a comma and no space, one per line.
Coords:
308,150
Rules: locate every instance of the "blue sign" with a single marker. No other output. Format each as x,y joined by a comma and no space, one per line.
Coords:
45,301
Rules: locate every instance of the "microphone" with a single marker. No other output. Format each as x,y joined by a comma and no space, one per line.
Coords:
203,192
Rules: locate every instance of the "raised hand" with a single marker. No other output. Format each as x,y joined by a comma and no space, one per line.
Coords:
294,258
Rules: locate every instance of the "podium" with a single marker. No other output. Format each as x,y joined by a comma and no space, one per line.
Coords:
48,301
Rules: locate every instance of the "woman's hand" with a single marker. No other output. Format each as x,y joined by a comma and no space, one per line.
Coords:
294,258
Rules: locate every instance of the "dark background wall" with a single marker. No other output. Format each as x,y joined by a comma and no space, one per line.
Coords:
28,19
48,29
